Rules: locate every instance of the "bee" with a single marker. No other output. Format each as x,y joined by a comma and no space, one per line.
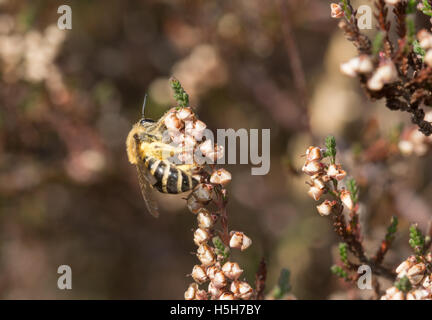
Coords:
148,149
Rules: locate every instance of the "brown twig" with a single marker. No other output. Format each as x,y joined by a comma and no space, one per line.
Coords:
260,280
384,25
293,54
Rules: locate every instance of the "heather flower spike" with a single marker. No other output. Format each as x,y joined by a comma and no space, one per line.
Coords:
215,275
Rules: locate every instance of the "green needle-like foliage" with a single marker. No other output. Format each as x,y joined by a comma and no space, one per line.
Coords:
180,94
343,252
341,273
391,230
417,240
403,284
330,143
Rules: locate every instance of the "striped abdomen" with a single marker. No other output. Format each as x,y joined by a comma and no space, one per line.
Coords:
169,179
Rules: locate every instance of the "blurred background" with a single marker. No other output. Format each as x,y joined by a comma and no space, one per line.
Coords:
69,97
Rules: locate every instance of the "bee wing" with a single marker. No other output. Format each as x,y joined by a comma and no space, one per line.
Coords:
146,189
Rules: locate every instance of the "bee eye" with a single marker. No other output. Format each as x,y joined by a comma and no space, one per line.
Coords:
144,121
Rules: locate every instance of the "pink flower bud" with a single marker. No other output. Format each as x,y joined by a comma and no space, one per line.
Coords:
335,171
241,290
203,192
205,219
317,189
418,294
232,270
392,2
185,114
226,296
205,255
239,240
194,205
365,64
358,65
315,193
386,73
349,68
416,273
172,122
191,291
211,271
188,143
214,292
346,199
427,282
325,208
206,147
177,137
312,168
198,130
220,176
201,236
201,295
425,39
313,153
428,58
219,281
393,293
199,274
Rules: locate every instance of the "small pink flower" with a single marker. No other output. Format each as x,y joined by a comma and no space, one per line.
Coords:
220,176
325,208
172,122
313,153
311,168
336,11
346,199
239,240
335,171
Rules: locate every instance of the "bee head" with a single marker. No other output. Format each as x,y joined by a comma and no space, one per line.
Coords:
146,121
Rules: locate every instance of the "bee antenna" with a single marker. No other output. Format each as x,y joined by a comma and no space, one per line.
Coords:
144,104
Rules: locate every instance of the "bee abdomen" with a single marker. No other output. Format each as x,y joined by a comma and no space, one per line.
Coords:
169,179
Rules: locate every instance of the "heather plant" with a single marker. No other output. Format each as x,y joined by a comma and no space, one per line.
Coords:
398,71
68,194
217,277
342,206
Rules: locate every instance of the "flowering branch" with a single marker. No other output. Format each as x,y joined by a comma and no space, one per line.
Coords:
325,179
383,71
414,275
208,202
